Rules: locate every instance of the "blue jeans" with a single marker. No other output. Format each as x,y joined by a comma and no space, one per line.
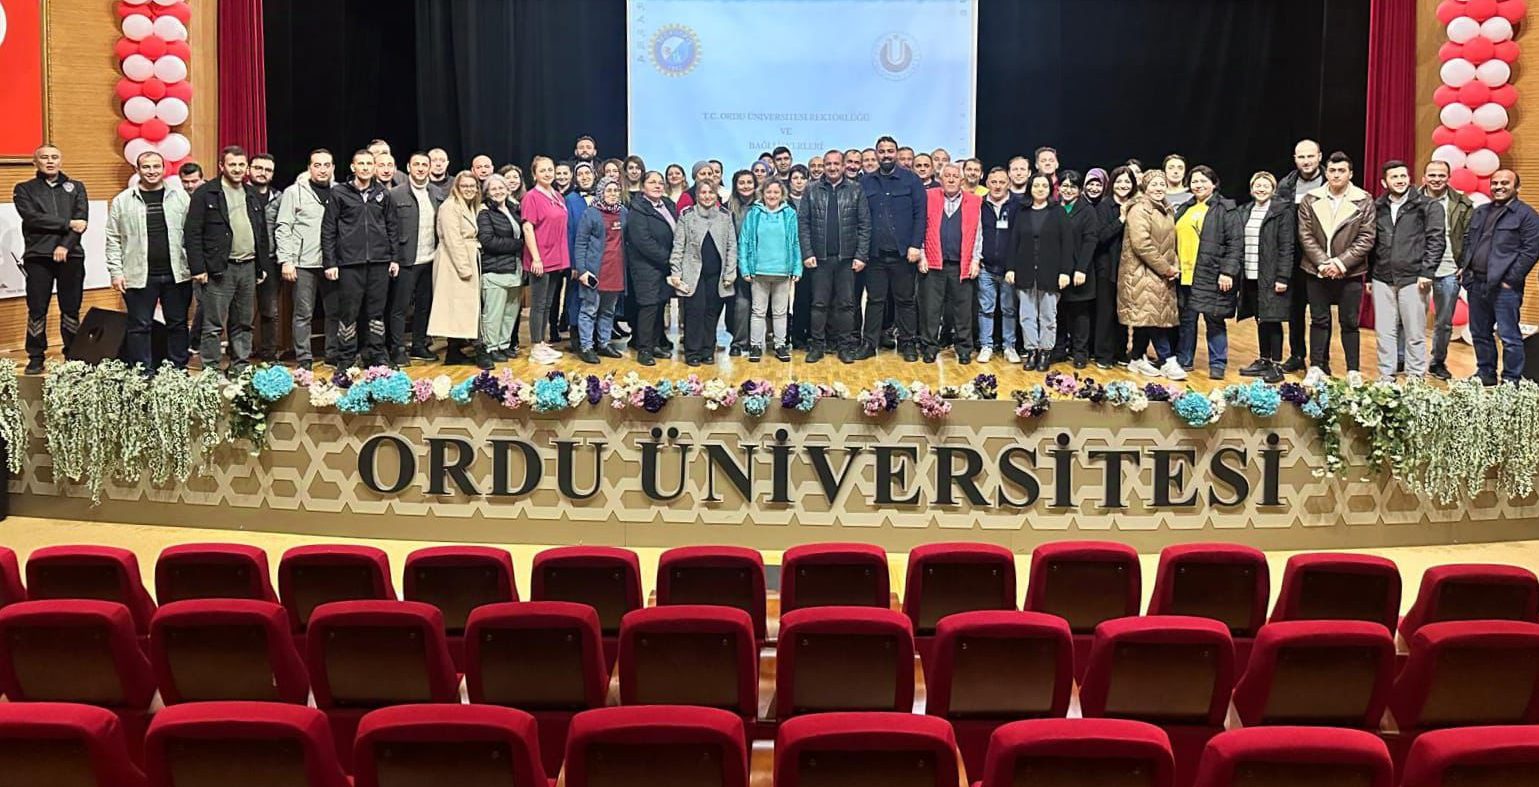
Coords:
174,300
1158,338
1445,296
1186,344
1039,318
1495,311
597,311
992,291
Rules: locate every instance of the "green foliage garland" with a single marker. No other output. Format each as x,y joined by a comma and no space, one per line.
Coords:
13,425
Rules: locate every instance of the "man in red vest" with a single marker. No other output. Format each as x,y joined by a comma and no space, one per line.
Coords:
949,264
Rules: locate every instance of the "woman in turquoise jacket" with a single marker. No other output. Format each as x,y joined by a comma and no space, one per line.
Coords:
769,258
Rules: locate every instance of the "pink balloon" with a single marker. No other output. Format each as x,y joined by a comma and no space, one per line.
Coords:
1511,10
1462,179
1480,10
154,129
152,47
1448,51
1448,10
1445,95
180,11
1506,95
1507,51
128,130
1483,185
1442,135
154,89
127,88
1470,138
1499,141
181,90
125,47
1474,94
1479,49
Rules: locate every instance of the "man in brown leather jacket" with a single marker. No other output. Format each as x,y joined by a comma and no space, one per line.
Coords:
1337,229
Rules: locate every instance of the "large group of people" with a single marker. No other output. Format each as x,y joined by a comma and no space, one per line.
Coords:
850,254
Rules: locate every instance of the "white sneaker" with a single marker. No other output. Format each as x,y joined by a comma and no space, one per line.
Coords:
544,355
1011,355
1142,366
987,355
552,351
1172,369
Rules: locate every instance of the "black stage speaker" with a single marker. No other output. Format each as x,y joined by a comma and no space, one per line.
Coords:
1531,357
100,336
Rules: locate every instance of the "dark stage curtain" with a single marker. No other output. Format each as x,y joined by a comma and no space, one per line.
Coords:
1391,130
339,73
515,79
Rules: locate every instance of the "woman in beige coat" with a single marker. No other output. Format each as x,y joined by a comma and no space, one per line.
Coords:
1146,278
456,313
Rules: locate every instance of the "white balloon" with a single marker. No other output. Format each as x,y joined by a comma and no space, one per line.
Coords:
1478,198
138,109
170,69
1457,72
135,148
137,27
167,2
172,110
138,67
1456,115
1462,29
1494,73
1490,117
175,147
1497,28
1483,162
1450,154
170,28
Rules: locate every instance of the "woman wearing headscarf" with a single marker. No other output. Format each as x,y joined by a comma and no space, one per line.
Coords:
600,270
649,230
1095,185
703,271
456,315
502,238
1270,234
1146,278
1209,245
1111,336
761,170
1077,303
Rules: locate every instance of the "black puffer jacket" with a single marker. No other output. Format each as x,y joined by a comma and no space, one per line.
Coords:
1108,247
1220,250
46,212
854,220
1276,256
502,240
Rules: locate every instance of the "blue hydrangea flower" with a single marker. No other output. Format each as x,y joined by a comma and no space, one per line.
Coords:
272,382
1194,408
394,388
550,394
462,391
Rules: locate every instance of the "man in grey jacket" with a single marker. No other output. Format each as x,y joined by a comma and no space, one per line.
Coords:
300,211
148,264
411,291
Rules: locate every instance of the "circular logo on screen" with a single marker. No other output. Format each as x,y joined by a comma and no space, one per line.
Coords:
675,50
895,56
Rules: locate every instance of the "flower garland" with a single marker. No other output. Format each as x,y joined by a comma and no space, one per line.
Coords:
756,396
13,425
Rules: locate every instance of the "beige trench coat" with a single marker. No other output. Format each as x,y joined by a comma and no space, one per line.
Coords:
456,275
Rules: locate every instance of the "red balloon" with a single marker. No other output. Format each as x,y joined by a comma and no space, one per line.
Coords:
1449,10
180,11
128,130
124,47
1442,135
1480,10
154,89
181,50
1506,95
1462,179
124,9
181,90
1449,50
154,129
127,88
1483,185
1512,10
1479,49
1507,52
152,47
1470,138
1474,94
1445,95
1499,141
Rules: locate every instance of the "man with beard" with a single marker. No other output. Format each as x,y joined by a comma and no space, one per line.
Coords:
261,174
898,207
1305,177
438,172
1408,246
411,291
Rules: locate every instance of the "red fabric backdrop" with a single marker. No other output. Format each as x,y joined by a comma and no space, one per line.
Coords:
1391,88
242,76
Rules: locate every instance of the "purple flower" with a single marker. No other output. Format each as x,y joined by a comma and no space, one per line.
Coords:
341,380
595,389
487,383
791,396
987,386
1156,392
651,400
1293,392
890,392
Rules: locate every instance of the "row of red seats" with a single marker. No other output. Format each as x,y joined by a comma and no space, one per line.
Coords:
986,668
235,744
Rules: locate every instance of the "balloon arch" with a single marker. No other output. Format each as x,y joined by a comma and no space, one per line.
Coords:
155,57
1477,89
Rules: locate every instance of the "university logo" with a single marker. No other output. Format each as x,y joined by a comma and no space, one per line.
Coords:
895,56
675,50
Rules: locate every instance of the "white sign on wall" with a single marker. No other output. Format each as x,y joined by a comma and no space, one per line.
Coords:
13,282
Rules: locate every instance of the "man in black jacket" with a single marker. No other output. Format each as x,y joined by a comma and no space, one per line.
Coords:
411,291
53,210
1406,252
226,238
261,171
1305,177
360,248
898,213
836,240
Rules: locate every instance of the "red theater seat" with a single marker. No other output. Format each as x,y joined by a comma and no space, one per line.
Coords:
844,659
1333,673
834,575
944,579
458,745
543,657
458,579
310,576
1473,757
44,744
77,651
11,590
1293,756
226,649
866,750
365,655
1170,670
89,572
197,571
1086,583
241,744
605,578
716,576
1331,586
1473,592
1102,752
690,655
656,746
991,668
1229,583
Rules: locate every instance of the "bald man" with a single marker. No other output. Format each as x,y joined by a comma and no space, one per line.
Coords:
1305,177
53,209
1500,248
482,167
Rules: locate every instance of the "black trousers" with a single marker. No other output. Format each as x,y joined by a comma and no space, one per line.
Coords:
648,327
702,310
42,275
361,290
1270,335
558,315
1074,320
830,286
946,292
1298,326
1347,296
409,299
267,314
890,278
800,324
173,299
1111,336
